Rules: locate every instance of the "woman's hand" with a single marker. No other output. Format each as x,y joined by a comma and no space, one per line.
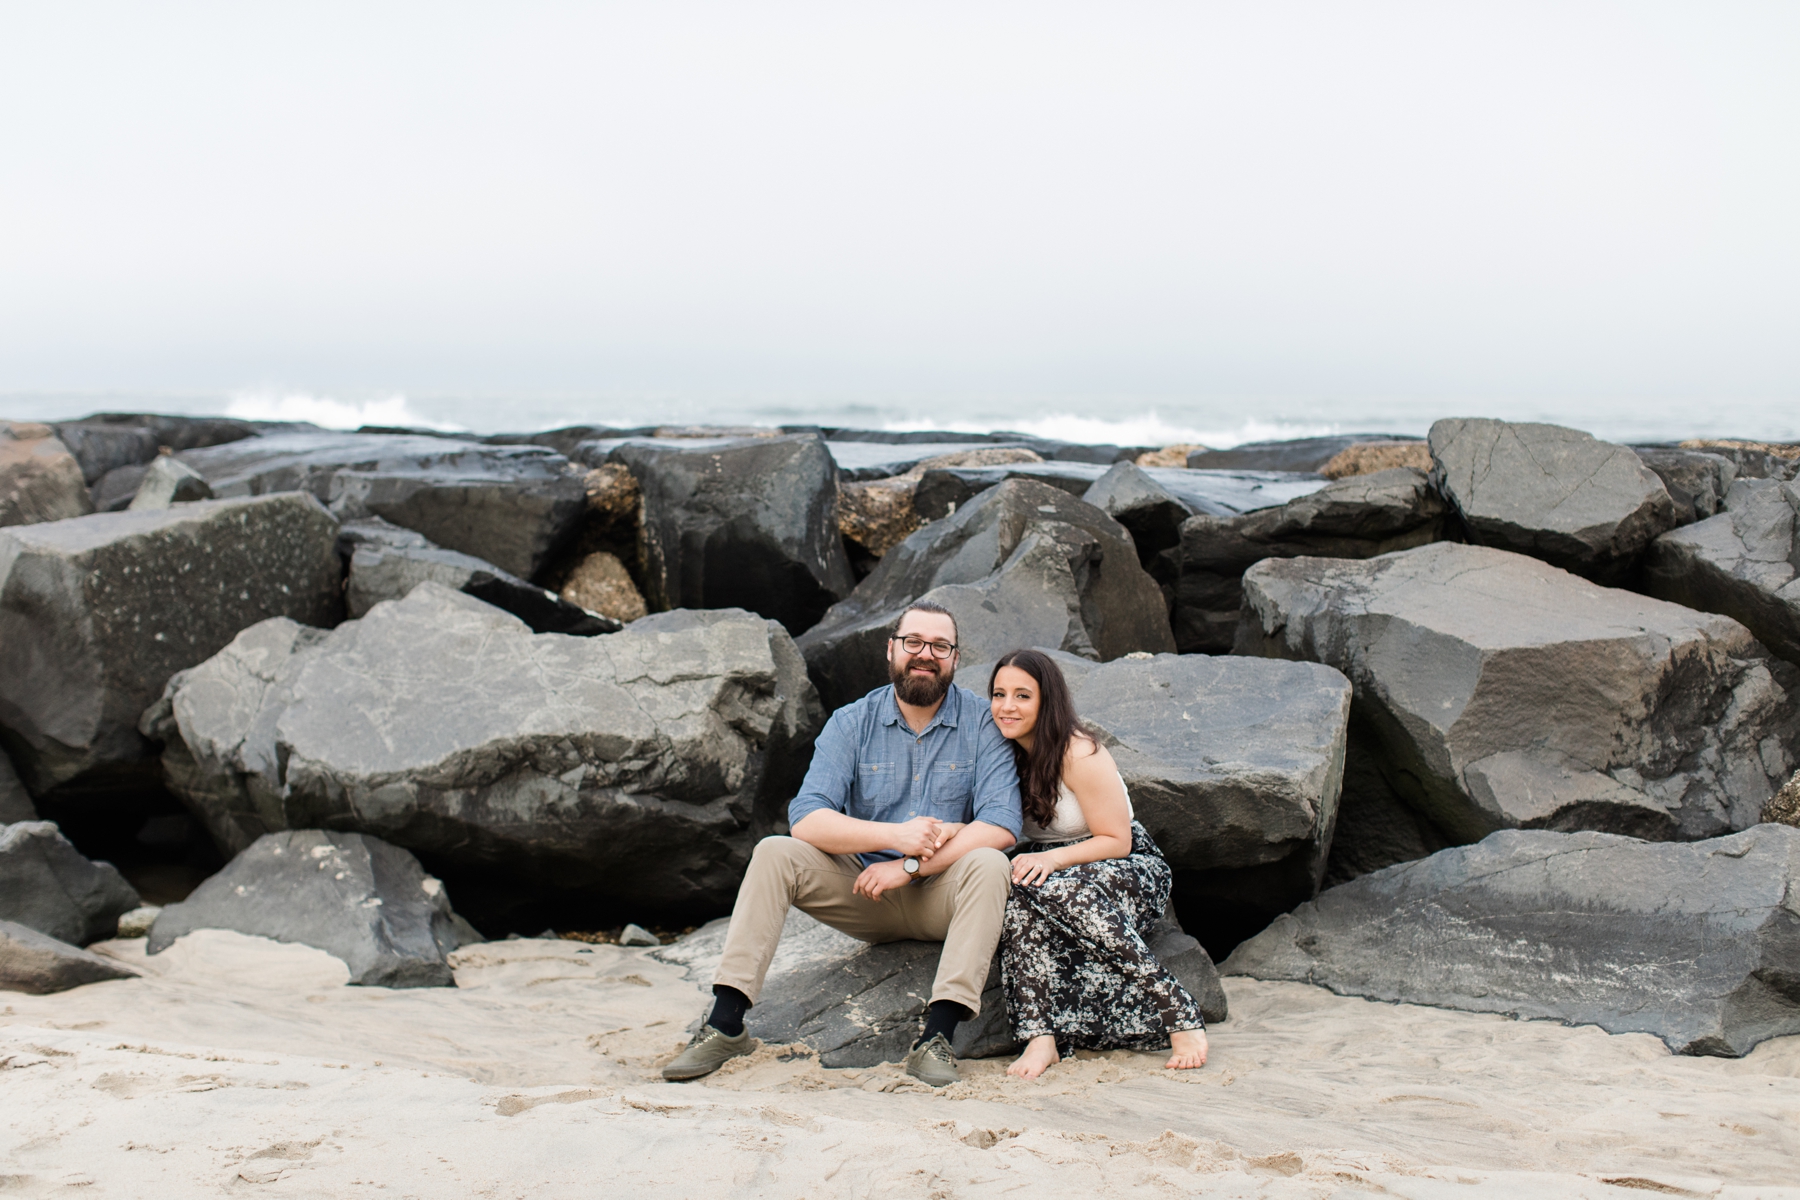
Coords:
1034,868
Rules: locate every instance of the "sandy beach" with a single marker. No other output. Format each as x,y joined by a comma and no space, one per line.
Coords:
241,1065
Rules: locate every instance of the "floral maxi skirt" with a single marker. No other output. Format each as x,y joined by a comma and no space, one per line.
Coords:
1073,959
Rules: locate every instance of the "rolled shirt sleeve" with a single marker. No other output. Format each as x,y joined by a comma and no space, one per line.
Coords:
832,773
996,780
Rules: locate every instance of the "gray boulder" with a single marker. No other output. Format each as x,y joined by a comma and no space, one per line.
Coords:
1222,493
633,769
1697,480
750,523
39,479
509,505
168,480
106,442
1024,564
1498,692
15,801
387,562
1557,494
1291,454
97,612
1234,765
39,964
1744,563
354,897
858,1004
1698,944
1357,517
49,885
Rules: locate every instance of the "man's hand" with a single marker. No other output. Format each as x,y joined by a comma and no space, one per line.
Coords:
920,837
880,877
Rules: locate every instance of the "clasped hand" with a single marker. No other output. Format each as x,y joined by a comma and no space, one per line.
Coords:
918,838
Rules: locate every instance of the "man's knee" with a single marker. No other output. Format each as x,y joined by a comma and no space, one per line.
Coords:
987,867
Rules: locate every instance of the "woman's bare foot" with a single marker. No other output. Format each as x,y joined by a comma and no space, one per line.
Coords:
1189,1046
1040,1055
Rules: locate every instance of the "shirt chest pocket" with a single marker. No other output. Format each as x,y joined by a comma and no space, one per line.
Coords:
951,791
879,783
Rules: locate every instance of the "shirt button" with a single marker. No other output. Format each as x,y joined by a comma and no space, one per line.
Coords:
915,779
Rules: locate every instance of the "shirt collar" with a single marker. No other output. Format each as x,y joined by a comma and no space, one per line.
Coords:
946,714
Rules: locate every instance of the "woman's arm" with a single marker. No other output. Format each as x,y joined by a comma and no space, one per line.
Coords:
1091,774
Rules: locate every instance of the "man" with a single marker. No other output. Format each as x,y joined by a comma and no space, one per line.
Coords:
898,832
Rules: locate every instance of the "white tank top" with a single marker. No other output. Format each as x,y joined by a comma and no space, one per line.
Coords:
1067,823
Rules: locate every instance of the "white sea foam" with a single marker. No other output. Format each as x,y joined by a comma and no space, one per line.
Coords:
1140,429
329,412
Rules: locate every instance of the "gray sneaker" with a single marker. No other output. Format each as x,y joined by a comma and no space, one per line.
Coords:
934,1062
709,1051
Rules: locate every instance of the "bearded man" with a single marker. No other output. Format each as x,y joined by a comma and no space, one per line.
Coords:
898,832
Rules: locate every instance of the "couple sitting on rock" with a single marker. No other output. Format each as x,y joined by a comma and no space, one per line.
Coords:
900,831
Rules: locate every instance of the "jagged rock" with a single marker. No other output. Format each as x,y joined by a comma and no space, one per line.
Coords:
600,583
39,964
1501,692
632,769
1150,512
944,491
748,524
1366,458
1557,494
105,442
866,462
387,562
612,491
1696,479
1222,493
47,884
1233,767
1292,454
1698,944
858,1005
878,514
1170,456
354,897
116,489
1784,806
1744,563
1357,517
1023,564
168,480
509,505
1779,461
97,612
39,479
637,935
15,801
103,448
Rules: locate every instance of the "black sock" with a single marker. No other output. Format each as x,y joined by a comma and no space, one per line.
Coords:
943,1017
728,1010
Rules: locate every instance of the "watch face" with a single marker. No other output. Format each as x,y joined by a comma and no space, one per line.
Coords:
910,865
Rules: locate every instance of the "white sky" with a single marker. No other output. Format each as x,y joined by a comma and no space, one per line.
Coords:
1162,200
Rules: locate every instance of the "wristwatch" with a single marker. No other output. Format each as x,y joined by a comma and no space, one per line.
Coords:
910,865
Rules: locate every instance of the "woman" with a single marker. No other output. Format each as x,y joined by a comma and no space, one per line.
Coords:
1087,886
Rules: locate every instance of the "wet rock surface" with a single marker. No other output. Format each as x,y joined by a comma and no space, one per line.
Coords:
1497,692
1696,943
97,612
1024,564
1557,494
748,523
355,897
48,885
1744,563
631,769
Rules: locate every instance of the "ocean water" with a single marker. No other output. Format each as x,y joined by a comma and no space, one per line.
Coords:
1216,422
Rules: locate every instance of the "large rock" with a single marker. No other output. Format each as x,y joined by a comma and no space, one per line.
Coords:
1498,692
1557,494
600,584
1744,563
1698,944
943,491
354,897
387,562
97,612
1024,564
168,481
508,505
1697,479
1779,461
1356,517
859,1004
15,801
1234,766
106,442
39,964
49,885
878,514
748,524
39,479
632,769
1292,454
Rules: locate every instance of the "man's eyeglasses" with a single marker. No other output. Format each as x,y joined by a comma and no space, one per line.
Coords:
912,644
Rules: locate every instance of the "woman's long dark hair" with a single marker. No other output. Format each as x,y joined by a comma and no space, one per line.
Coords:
1040,768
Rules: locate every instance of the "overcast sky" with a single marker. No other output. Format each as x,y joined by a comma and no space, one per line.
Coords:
1258,199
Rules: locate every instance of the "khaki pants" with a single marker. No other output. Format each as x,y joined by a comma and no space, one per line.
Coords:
962,908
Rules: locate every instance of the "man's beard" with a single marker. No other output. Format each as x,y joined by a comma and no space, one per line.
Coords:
922,691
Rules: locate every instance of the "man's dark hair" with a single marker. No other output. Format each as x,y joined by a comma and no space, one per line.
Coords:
926,606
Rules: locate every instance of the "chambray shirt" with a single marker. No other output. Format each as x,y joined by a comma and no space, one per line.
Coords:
869,764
